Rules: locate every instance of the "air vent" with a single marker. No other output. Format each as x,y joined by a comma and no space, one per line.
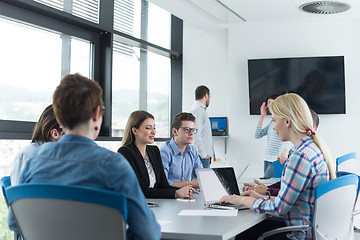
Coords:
325,7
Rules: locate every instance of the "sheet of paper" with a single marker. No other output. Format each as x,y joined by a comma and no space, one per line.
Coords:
185,200
210,212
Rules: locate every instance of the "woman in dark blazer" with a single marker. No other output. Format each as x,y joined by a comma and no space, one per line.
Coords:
146,160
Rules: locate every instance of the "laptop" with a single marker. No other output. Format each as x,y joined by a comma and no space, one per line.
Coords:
215,183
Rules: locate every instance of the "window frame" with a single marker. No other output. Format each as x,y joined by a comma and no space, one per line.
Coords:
101,36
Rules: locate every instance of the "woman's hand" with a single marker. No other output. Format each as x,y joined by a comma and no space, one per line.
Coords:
263,109
258,187
238,200
234,199
185,192
248,187
253,194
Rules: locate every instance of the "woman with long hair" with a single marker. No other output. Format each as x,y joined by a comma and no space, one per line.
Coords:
47,129
145,159
309,165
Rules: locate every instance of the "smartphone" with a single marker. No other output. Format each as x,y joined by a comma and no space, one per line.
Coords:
150,204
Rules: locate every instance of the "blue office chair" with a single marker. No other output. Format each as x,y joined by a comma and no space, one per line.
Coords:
5,182
278,169
346,163
334,210
57,212
356,219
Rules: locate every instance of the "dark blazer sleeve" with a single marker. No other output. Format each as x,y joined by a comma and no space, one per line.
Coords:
161,189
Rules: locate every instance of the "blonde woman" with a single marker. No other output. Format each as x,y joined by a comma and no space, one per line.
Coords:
309,165
145,159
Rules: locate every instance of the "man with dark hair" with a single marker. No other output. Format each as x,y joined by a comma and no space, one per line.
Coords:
180,159
203,140
201,91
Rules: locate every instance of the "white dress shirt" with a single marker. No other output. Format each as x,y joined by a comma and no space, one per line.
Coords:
203,139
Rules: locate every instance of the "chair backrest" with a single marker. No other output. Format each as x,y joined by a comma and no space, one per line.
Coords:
334,205
346,163
5,182
47,211
278,169
356,219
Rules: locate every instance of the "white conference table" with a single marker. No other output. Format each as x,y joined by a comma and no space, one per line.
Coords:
174,226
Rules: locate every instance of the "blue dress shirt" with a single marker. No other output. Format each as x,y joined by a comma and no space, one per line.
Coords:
77,160
178,166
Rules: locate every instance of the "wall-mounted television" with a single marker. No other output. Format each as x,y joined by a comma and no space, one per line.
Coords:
319,80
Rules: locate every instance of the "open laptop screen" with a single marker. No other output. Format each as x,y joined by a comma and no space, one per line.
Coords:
217,182
228,179
211,187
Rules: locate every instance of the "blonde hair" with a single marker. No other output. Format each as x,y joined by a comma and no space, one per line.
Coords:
294,107
135,120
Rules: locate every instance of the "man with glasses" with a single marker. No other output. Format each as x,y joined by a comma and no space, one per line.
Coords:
179,157
203,140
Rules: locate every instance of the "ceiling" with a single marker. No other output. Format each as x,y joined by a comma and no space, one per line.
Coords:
221,13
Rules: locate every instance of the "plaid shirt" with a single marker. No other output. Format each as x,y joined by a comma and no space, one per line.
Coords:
305,169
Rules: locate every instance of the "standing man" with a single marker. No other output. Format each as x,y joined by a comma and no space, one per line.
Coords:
203,140
180,159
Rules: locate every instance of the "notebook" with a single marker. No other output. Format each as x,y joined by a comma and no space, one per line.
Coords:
215,183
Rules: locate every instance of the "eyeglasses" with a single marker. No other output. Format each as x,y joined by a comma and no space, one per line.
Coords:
188,130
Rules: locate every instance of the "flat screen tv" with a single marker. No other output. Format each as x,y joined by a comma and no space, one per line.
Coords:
319,80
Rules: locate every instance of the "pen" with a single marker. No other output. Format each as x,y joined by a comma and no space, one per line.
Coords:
194,191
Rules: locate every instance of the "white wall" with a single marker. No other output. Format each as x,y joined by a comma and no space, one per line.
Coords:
205,63
218,59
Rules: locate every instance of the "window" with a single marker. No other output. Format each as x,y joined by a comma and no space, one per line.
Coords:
141,78
158,88
125,87
81,57
159,25
124,45
88,10
127,17
31,67
46,44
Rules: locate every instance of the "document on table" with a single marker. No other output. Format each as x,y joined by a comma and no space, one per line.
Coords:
212,212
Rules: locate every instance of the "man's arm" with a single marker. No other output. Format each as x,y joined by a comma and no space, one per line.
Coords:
183,183
165,158
198,141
